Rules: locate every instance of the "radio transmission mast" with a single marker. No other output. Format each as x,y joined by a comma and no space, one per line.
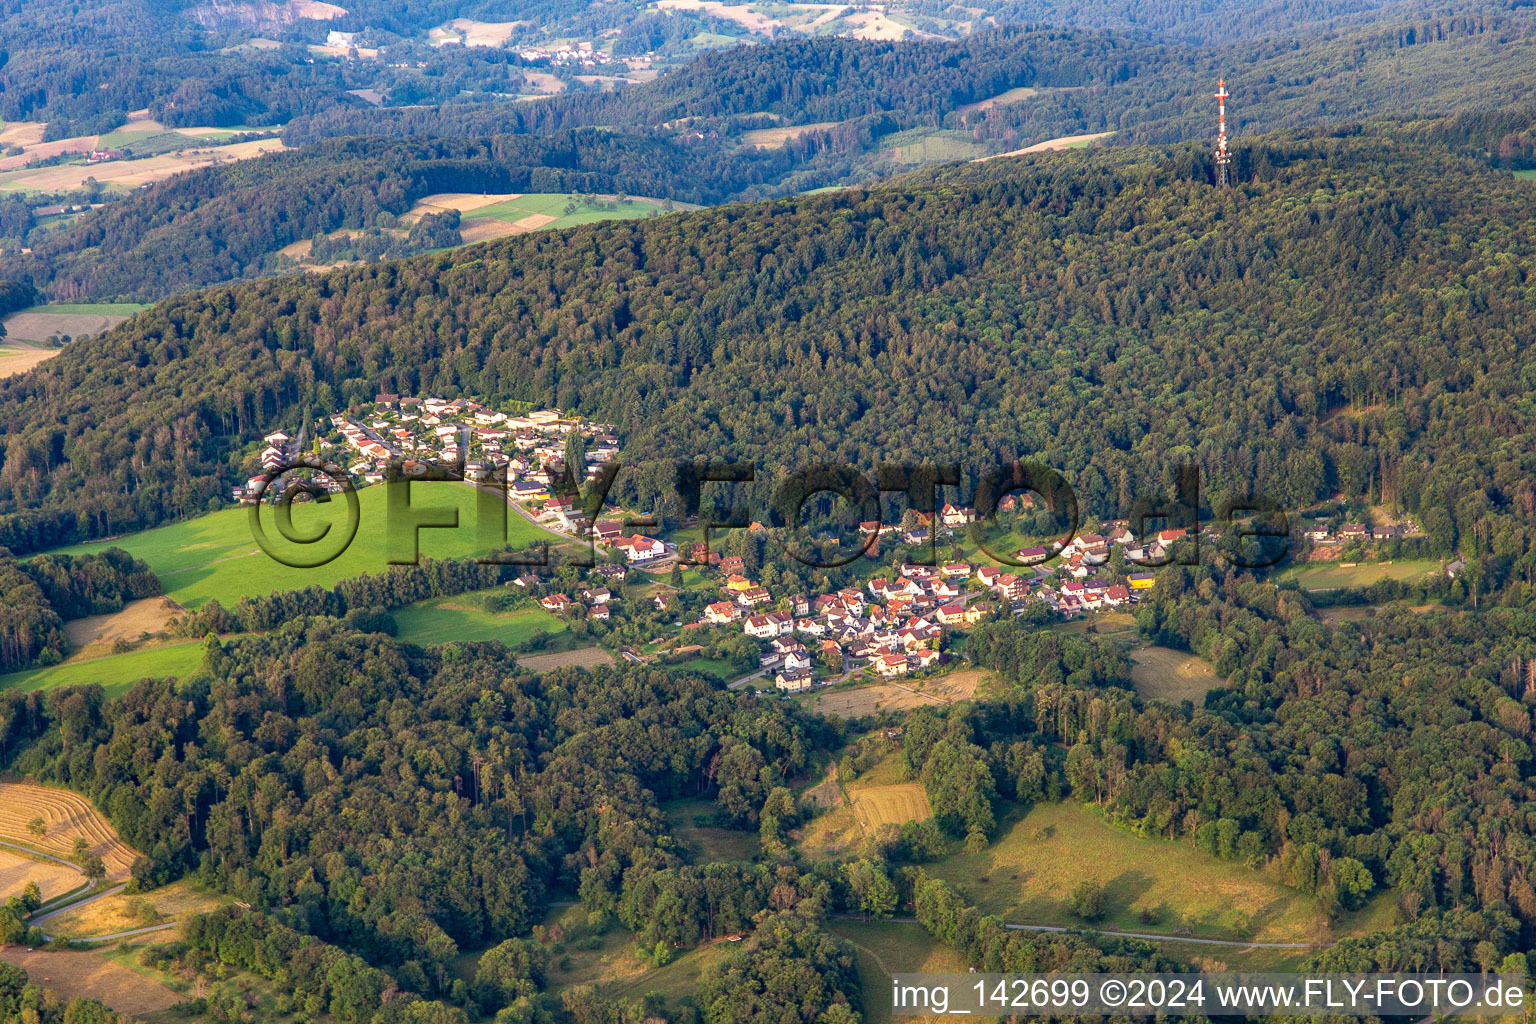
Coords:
1223,158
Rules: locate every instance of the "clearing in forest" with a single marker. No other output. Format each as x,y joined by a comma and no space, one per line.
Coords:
1027,873
1166,674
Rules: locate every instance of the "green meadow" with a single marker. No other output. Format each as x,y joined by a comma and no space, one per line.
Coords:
216,555
553,204
1335,575
1527,175
462,617
95,308
115,673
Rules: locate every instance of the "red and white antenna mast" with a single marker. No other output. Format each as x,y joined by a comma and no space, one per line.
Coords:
1223,158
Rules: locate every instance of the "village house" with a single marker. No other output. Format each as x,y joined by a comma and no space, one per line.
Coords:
753,597
762,627
640,549
556,603
720,613
793,680
958,615
892,665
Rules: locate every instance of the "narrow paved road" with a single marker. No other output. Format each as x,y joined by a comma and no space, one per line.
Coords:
1128,935
81,903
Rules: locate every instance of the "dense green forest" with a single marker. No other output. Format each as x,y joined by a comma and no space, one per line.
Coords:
679,137
1322,327
39,595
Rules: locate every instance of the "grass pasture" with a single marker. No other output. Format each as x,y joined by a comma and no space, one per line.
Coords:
93,975
706,842
461,617
1025,877
1335,576
1162,673
120,913
65,815
486,217
931,145
1526,175
892,947
115,673
215,556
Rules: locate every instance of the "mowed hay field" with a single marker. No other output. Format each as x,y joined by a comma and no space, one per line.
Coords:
900,696
581,657
53,879
66,815
1166,674
73,320
492,216
878,797
94,635
16,359
216,556
891,805
1026,875
78,975
131,173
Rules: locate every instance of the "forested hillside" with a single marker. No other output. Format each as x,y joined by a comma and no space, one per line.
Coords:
683,136
1323,327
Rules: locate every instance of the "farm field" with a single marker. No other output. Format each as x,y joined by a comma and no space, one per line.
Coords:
16,359
1359,612
492,216
73,320
928,145
892,947
65,815
1051,145
461,617
1023,92
1527,175
122,912
858,701
1166,674
93,636
775,138
878,796
215,556
1027,873
115,673
53,879
129,172
1333,576
581,657
73,974
890,805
